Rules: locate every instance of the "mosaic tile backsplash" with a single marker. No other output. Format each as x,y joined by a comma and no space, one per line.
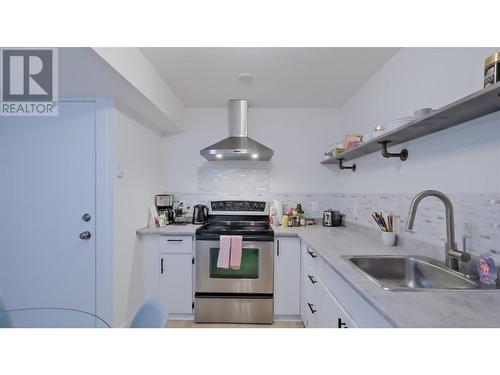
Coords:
234,179
477,216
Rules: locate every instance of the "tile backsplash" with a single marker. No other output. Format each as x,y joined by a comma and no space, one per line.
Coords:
477,216
234,179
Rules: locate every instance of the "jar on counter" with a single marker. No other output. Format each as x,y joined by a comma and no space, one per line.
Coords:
491,69
284,220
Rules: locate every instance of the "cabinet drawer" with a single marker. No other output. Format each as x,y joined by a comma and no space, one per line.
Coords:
332,314
355,305
312,298
313,260
171,244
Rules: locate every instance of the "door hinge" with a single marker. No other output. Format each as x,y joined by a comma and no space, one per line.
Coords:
192,260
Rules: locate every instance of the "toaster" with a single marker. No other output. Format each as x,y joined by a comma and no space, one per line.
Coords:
332,218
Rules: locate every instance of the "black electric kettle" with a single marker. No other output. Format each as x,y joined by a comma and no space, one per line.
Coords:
200,214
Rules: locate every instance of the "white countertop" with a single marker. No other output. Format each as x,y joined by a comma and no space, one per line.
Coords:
171,230
459,308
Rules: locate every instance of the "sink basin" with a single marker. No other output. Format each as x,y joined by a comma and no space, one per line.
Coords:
410,273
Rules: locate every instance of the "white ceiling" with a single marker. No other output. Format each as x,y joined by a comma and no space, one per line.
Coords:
282,77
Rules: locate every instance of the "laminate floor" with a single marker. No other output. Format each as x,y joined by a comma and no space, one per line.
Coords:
191,324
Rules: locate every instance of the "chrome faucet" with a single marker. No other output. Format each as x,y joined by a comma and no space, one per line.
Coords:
451,253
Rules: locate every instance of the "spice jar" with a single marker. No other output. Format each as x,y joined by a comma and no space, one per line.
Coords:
491,69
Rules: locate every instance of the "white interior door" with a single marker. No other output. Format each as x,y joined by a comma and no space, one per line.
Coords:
47,184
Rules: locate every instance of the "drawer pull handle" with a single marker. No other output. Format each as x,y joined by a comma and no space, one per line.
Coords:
175,240
341,324
312,254
311,307
312,279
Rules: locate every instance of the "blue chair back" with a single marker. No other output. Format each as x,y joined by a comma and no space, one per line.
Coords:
5,320
150,315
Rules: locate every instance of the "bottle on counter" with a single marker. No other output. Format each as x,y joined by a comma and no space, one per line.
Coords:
284,221
487,270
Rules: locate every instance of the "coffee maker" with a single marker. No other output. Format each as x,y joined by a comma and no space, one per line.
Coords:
164,205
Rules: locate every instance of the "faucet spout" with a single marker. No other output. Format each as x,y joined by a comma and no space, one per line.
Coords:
452,254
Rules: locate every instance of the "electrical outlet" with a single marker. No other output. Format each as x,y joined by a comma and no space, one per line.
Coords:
120,171
314,206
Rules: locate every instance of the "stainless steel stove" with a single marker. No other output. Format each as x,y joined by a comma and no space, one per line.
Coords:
228,295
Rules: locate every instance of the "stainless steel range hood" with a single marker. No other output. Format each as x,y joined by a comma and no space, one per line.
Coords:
238,146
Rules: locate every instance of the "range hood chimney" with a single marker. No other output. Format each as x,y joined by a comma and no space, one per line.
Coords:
238,146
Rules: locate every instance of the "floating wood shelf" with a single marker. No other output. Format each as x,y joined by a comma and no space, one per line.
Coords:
478,104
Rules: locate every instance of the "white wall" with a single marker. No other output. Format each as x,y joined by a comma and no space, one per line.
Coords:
462,159
131,64
297,136
139,151
458,160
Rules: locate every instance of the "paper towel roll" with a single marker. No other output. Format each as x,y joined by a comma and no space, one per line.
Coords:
278,207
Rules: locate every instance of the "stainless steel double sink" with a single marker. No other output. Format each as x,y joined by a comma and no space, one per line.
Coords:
405,273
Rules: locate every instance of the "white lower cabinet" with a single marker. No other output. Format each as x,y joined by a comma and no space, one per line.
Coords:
168,272
176,285
332,314
327,301
287,276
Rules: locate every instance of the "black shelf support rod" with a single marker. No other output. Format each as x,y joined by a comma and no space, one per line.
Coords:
352,167
403,155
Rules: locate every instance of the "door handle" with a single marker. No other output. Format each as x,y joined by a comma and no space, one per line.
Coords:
85,235
162,266
312,279
278,247
311,307
341,324
312,254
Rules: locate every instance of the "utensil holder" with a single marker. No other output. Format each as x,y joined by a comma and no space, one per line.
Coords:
389,238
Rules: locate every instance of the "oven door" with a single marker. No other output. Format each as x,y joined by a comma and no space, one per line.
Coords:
254,276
